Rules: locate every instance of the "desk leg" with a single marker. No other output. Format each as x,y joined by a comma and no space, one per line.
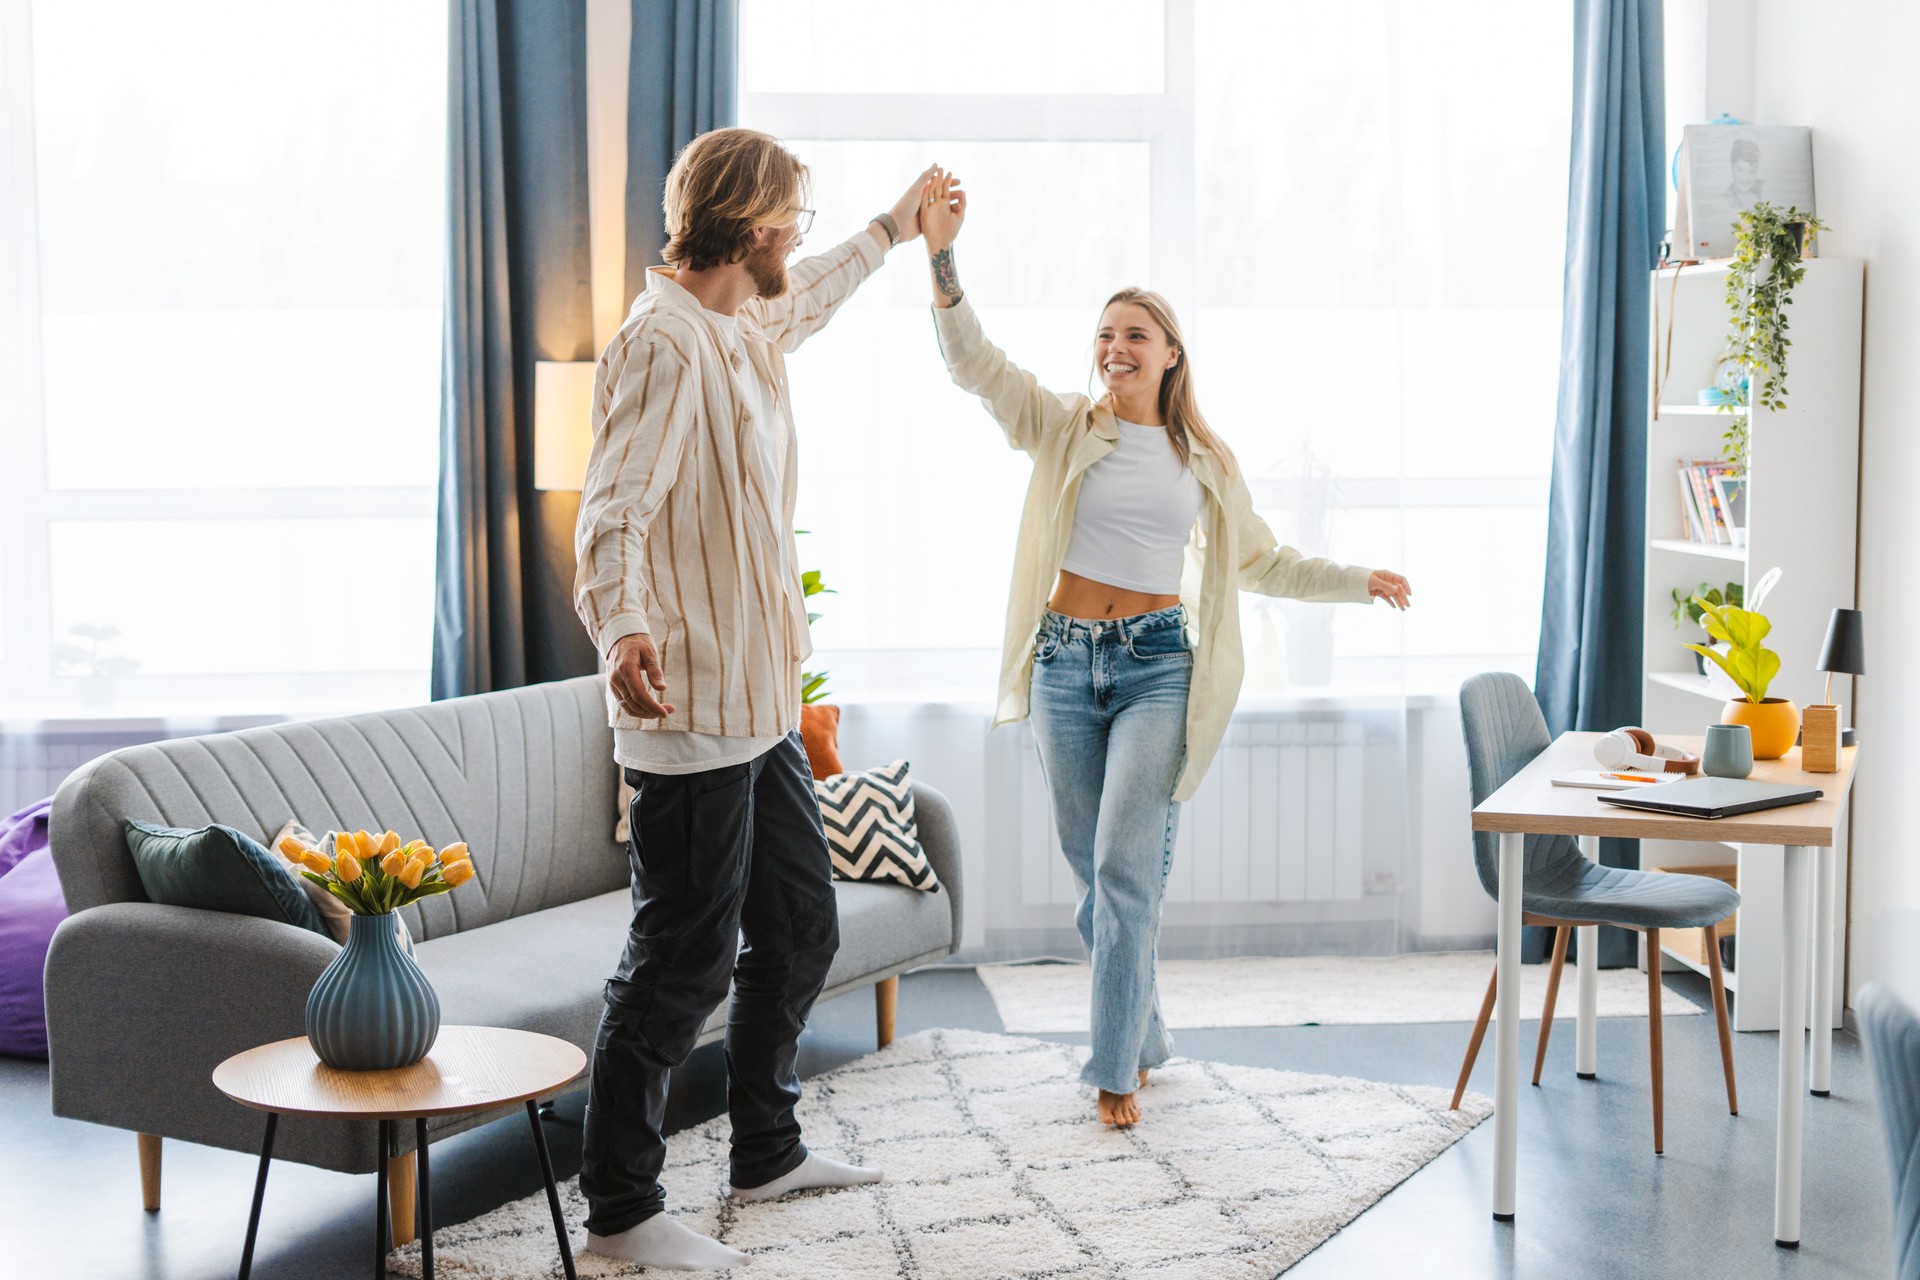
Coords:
553,1192
380,1200
1793,1049
1586,1052
426,1200
1506,1027
259,1195
1825,864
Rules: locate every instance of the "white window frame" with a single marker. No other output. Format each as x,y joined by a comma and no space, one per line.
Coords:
1165,123
28,687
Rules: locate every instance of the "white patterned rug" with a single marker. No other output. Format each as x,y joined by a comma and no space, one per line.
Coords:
1292,991
997,1170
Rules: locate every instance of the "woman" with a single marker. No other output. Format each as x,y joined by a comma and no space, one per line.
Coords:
1129,692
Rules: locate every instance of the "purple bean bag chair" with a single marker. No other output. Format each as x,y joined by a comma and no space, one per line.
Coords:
31,908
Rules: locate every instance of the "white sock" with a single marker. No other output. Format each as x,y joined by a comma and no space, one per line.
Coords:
661,1242
815,1171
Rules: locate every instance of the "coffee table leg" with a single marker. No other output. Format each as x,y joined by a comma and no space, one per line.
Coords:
380,1198
553,1192
426,1200
259,1195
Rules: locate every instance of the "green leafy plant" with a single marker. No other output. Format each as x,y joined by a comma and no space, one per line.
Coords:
1760,282
1748,663
1686,607
88,655
813,684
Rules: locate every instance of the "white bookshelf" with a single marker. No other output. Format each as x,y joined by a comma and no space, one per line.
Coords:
1802,509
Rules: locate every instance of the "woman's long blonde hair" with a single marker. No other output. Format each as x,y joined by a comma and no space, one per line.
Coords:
1179,405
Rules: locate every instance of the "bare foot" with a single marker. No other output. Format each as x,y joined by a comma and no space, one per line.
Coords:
1143,1077
1120,1110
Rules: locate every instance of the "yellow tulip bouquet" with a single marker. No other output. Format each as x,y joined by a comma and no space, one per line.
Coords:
377,874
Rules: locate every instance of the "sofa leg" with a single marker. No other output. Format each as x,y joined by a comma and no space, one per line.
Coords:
149,1171
400,1198
886,996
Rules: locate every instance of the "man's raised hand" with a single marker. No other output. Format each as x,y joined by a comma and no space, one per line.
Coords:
635,677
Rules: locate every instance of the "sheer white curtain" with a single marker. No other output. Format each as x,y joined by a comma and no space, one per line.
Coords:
221,240
1358,212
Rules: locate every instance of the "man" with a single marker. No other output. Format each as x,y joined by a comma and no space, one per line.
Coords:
687,582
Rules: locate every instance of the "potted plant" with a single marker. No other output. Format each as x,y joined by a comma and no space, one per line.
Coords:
1760,281
819,720
1774,722
1684,607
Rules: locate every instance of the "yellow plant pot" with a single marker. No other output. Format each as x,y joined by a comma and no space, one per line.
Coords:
1774,724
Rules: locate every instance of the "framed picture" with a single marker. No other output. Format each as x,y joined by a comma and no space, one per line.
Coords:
1730,168
1732,492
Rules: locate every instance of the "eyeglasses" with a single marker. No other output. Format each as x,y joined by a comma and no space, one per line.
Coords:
804,222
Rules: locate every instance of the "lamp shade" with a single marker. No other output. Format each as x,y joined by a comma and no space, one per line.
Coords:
1846,648
562,422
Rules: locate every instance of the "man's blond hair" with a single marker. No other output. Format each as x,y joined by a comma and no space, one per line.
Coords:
724,184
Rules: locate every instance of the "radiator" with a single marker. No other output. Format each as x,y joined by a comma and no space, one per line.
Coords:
1281,818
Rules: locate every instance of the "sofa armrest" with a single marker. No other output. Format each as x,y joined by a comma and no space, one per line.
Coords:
143,1001
940,837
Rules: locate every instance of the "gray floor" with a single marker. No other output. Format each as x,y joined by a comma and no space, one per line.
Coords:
1594,1200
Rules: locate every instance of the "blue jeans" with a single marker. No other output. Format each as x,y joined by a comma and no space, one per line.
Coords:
1109,707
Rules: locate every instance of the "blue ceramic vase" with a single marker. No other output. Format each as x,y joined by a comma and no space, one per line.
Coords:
372,1009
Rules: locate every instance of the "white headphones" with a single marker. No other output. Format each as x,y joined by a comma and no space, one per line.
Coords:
1634,748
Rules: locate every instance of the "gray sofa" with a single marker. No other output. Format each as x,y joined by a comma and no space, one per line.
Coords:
144,1000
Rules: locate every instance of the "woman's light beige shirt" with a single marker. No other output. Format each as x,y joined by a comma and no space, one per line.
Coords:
677,535
1232,548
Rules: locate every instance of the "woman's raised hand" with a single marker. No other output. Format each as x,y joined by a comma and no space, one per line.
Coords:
943,207
1391,587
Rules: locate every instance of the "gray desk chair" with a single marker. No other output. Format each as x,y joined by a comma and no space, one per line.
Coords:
1563,889
1891,1034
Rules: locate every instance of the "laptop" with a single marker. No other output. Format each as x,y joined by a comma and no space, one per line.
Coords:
1712,797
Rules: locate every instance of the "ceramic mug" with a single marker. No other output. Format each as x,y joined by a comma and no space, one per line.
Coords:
1729,751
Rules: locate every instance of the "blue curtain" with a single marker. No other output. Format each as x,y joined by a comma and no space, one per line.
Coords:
683,79
518,289
1588,675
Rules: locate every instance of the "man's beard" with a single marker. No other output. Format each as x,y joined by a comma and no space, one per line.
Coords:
768,270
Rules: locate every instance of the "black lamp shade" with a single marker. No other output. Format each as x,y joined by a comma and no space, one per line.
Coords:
1845,651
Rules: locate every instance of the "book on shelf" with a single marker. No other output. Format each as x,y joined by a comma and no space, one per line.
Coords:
1706,517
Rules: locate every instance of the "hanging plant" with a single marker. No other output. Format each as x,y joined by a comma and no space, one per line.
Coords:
1765,269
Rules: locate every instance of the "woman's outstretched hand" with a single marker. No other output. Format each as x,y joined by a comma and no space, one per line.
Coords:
906,210
1392,588
943,207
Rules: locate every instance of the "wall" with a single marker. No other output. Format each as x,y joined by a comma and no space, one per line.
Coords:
1845,68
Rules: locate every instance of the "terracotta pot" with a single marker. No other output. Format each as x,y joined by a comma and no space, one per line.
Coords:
820,735
1774,723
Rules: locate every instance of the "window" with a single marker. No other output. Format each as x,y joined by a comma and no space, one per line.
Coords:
224,246
1358,210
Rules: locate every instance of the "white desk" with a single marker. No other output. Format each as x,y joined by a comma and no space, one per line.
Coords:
1530,805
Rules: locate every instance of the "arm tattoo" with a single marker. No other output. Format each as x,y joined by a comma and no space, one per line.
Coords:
945,278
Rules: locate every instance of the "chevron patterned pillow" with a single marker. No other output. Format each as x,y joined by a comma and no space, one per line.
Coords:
871,834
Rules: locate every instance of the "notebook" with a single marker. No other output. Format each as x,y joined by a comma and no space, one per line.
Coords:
1613,779
1713,797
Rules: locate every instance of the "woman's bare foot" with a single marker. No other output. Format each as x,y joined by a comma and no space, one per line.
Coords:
1143,1077
1121,1110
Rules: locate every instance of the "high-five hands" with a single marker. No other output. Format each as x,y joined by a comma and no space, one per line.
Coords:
1392,588
943,207
906,210
636,679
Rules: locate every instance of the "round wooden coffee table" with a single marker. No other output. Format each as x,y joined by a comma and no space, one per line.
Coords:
468,1069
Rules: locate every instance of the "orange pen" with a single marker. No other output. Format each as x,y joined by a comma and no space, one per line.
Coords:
1630,777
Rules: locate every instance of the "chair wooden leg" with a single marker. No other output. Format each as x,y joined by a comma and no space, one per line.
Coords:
1561,935
400,1179
1473,1045
1720,1015
886,997
149,1144
1654,1047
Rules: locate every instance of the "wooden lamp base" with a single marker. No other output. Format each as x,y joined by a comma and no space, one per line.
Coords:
1820,738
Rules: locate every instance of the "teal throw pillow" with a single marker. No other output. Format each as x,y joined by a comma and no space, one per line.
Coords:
217,868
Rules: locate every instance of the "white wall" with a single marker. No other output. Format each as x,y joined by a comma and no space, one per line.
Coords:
1846,69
